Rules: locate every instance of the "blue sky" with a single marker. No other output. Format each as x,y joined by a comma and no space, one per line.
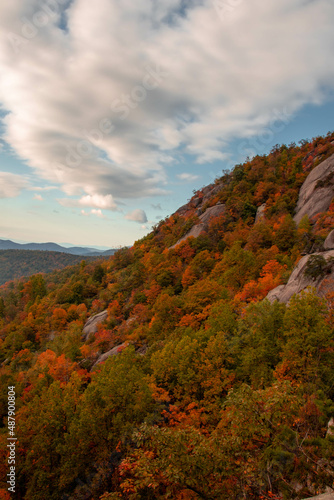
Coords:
112,113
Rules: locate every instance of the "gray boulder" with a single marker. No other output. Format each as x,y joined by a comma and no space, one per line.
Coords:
324,496
317,192
260,212
91,326
329,241
212,190
299,282
182,210
209,214
113,352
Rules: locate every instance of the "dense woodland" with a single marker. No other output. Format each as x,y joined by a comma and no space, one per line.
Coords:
18,263
215,393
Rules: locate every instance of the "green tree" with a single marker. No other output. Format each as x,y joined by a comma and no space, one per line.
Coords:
308,352
42,426
99,273
117,400
286,235
257,343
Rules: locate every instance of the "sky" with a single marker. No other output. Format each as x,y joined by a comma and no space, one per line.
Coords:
113,112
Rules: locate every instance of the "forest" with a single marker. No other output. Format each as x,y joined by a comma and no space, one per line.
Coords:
19,263
212,391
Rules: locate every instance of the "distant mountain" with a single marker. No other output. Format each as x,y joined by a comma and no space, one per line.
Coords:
54,247
182,319
18,263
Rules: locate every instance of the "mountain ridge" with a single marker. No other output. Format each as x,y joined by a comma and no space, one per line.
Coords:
54,247
163,371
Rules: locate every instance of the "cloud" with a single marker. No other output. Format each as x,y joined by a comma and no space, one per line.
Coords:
156,206
124,88
137,215
11,185
97,201
94,211
38,197
45,188
98,213
187,177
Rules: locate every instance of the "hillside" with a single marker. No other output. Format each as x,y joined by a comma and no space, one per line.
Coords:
54,247
169,370
18,263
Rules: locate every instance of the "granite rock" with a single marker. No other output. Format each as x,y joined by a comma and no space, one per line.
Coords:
317,191
299,282
209,214
329,241
91,326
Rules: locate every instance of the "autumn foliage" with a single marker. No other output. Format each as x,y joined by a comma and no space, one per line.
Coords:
212,392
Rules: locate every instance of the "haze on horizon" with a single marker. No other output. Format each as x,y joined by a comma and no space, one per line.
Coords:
113,112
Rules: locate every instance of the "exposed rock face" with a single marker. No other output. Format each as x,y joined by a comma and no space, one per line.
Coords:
182,210
324,496
211,213
113,352
199,200
91,326
317,191
298,281
202,226
260,212
210,191
330,427
329,241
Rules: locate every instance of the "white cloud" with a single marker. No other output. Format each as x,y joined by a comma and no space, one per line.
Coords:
187,177
45,188
94,211
38,197
96,200
99,201
137,215
11,185
98,213
210,80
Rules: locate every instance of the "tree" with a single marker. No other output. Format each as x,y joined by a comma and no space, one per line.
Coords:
99,273
286,233
256,344
308,352
2,308
42,426
117,400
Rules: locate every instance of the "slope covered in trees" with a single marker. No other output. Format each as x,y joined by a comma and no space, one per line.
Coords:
214,393
18,263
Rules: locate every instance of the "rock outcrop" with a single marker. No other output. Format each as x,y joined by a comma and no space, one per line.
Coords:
324,496
113,352
209,214
91,326
330,427
260,212
298,281
317,191
200,199
329,241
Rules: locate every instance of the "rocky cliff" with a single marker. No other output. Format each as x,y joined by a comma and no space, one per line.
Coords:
314,270
317,191
315,196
